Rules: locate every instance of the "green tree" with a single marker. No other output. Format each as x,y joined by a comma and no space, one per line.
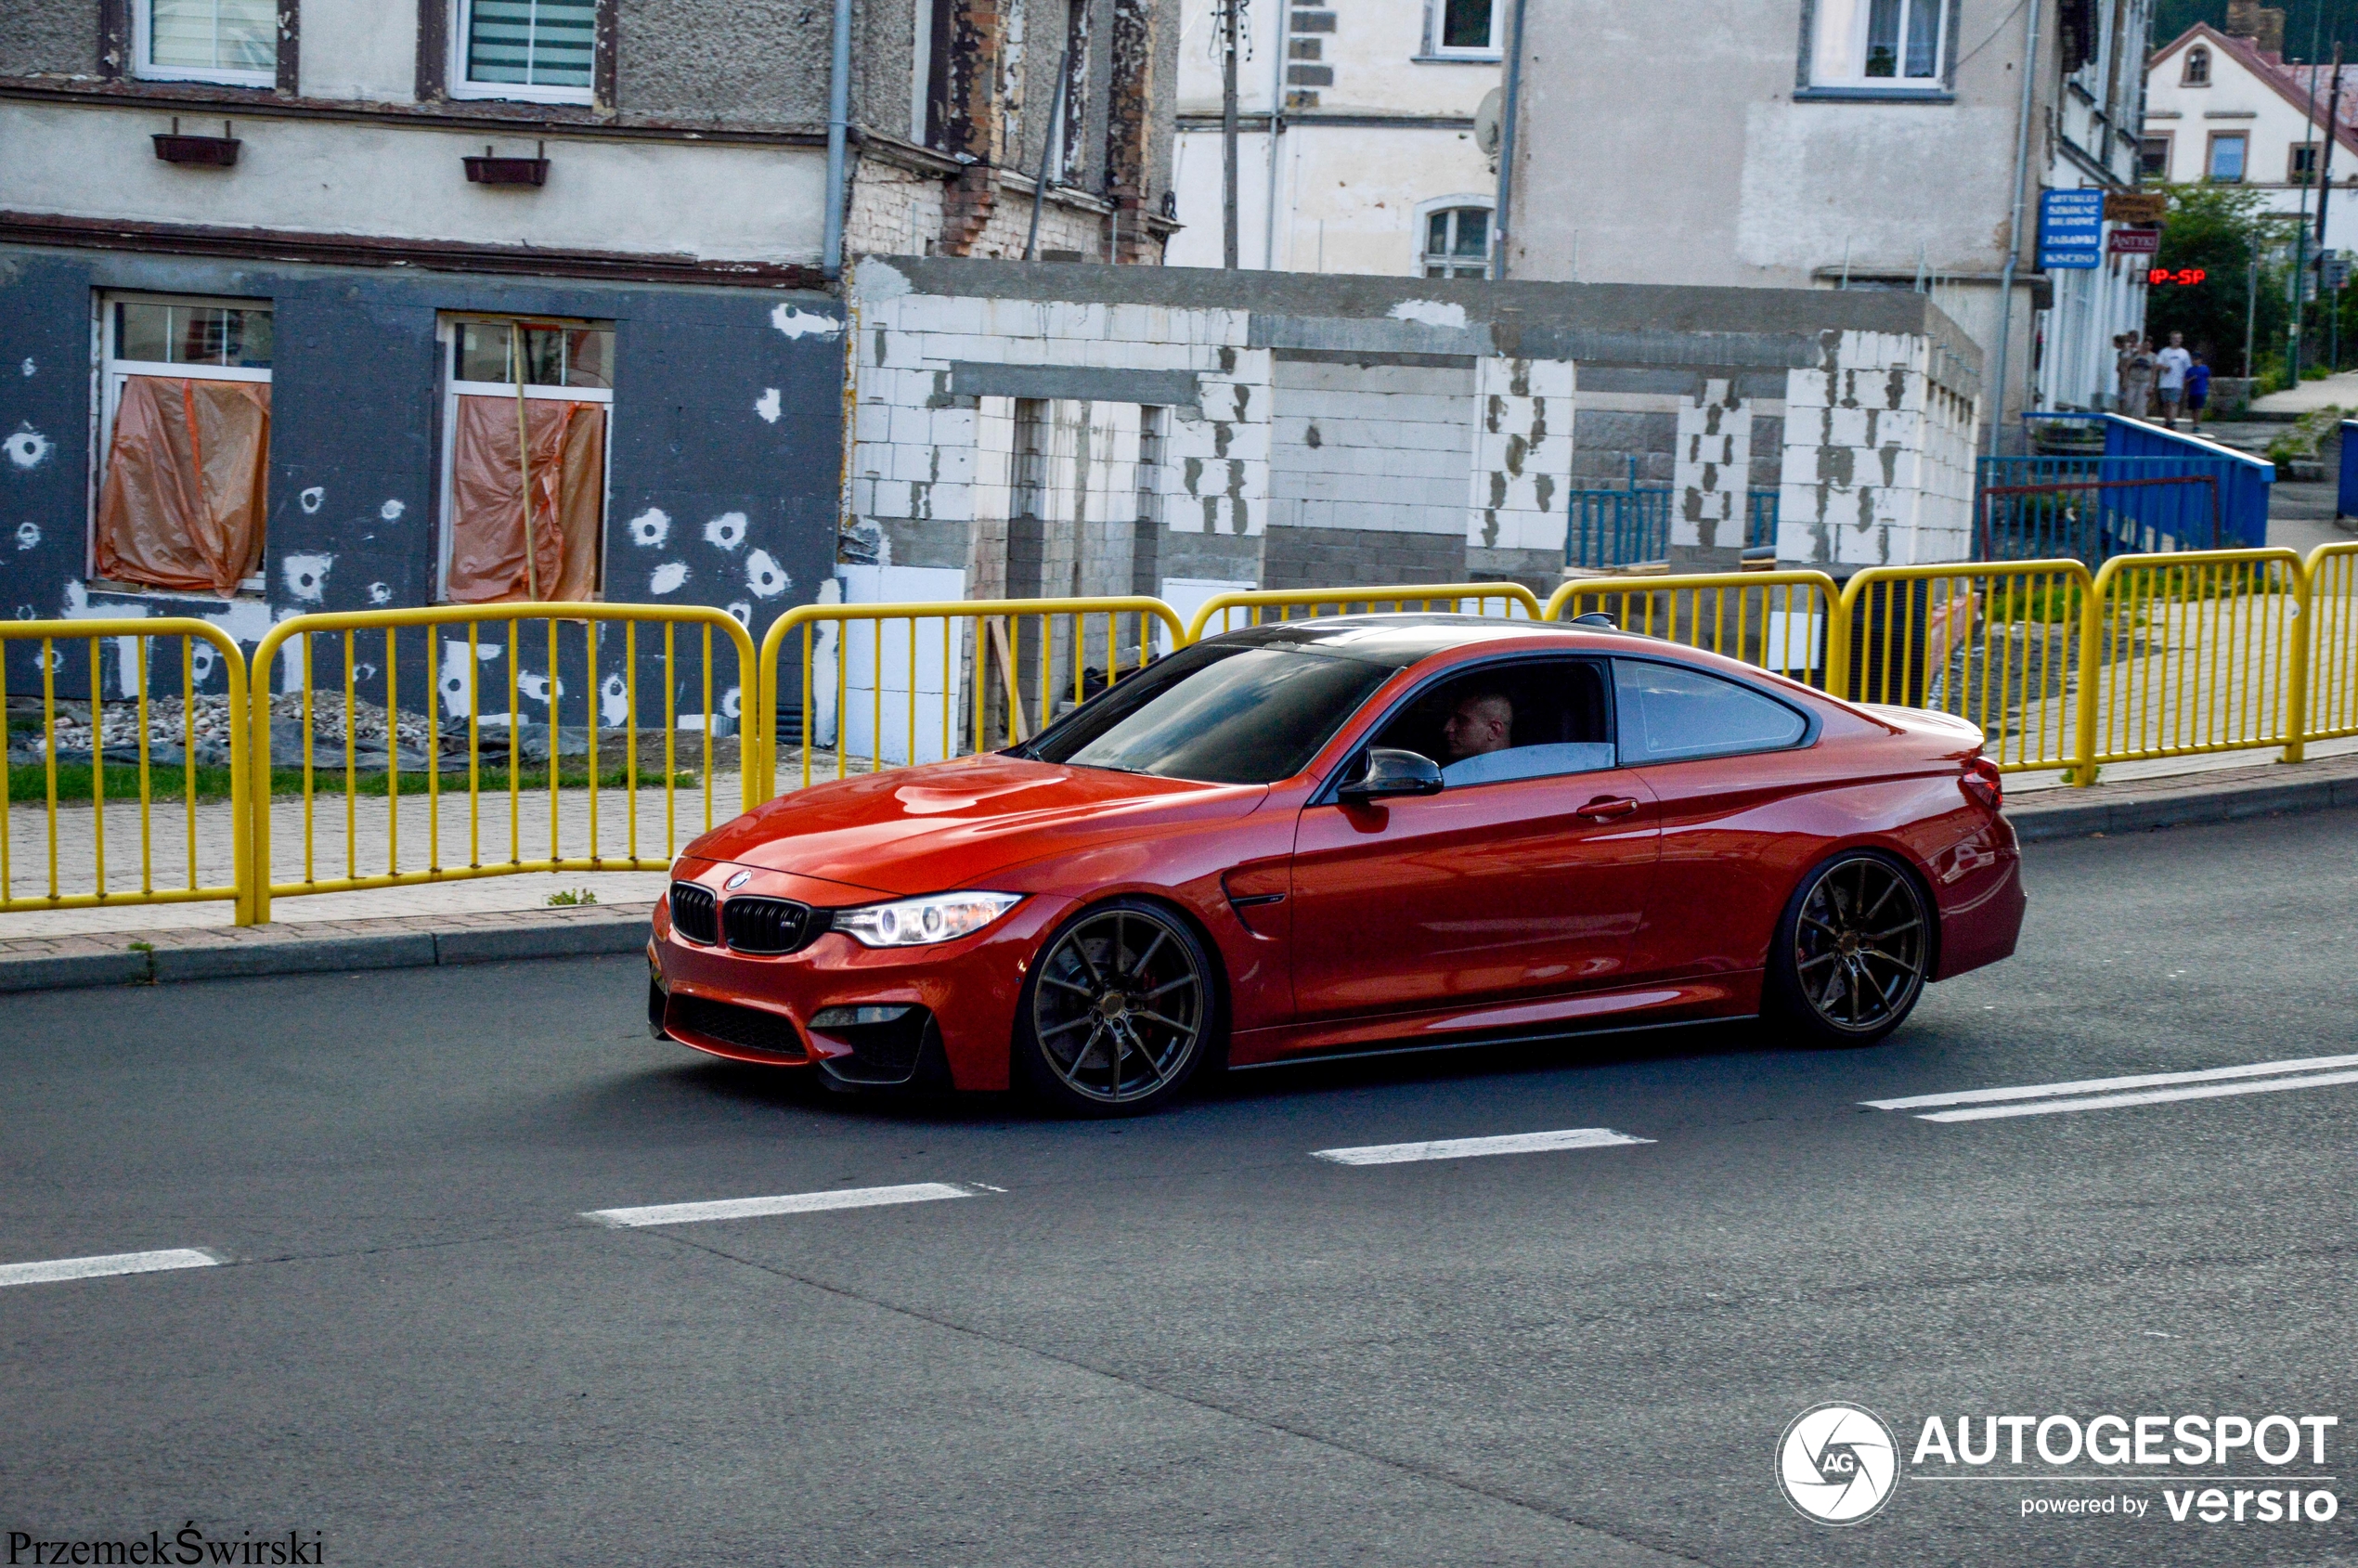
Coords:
2218,230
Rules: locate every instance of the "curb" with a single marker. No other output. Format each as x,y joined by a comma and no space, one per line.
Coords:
334,954
2037,825
172,957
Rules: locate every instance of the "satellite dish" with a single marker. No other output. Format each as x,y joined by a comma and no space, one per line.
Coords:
1486,124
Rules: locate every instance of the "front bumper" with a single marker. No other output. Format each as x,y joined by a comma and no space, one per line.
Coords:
969,988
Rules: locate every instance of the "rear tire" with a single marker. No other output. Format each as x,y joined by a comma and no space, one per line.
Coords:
1121,1009
1852,951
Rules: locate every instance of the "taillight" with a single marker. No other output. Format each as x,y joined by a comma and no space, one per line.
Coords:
1984,782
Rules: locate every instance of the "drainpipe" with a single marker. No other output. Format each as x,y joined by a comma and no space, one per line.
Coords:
2014,232
839,131
1507,145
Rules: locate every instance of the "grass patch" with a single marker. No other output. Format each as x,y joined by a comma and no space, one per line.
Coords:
28,781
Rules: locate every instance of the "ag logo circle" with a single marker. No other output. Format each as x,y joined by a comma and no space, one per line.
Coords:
1837,1463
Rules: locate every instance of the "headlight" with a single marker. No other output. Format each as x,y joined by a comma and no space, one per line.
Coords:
939,917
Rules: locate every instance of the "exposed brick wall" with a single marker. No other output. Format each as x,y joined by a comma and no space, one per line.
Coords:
893,211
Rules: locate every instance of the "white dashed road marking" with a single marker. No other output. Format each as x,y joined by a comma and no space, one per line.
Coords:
99,1267
2139,1089
1464,1148
788,1203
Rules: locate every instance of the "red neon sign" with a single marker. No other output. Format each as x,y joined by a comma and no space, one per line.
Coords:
2162,276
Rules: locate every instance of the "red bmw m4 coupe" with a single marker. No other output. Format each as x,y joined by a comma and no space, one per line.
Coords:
1344,836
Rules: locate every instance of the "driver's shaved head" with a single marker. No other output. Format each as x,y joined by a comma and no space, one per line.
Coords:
1481,721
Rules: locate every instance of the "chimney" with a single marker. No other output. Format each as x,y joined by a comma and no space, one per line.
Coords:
2263,25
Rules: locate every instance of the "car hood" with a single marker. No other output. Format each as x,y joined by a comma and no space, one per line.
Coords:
949,824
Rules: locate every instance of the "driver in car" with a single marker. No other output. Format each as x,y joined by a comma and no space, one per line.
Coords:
1481,723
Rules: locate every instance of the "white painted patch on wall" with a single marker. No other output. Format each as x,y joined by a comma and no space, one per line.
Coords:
742,611
667,578
769,406
873,280
726,531
651,527
534,688
390,512
614,700
380,593
27,448
765,577
306,576
311,499
799,323
28,535
732,702
28,366
1433,313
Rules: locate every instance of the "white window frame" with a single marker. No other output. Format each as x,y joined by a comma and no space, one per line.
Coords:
143,45
1845,71
445,337
113,371
458,85
1436,18
1425,214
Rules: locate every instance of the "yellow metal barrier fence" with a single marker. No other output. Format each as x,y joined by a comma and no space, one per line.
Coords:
2190,653
613,650
891,684
1996,643
2332,634
1450,598
202,865
1781,621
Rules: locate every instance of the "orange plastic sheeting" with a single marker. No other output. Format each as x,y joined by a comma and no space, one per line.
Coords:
568,445
183,502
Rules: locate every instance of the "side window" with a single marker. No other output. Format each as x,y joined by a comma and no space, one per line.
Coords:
1529,719
1670,713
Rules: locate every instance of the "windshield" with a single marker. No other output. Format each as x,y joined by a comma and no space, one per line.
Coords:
1219,713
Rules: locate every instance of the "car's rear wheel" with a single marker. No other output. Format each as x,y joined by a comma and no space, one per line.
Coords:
1852,951
1120,1011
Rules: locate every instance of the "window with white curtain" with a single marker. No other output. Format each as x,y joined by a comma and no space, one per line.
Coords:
545,51
1898,45
229,41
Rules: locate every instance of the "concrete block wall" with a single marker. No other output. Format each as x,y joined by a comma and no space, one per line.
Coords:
1331,431
1711,468
1522,465
1368,449
1877,456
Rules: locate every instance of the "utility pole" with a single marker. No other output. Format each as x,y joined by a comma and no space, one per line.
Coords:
2014,228
2301,236
1230,17
2324,197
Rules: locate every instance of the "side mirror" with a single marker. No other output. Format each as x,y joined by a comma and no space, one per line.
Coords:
1392,771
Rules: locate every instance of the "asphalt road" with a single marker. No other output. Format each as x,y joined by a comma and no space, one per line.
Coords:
1183,1340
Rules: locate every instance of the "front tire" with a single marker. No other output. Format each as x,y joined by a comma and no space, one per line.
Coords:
1119,1013
1852,951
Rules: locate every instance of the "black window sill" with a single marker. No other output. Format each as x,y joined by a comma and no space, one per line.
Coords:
1456,60
1874,94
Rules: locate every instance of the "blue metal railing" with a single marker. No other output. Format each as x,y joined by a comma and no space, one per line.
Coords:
2151,489
1616,527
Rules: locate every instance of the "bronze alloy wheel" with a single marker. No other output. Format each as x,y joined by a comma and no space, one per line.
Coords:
1120,1006
1860,941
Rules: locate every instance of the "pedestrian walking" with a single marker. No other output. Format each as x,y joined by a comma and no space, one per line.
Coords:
2137,379
2197,388
2169,379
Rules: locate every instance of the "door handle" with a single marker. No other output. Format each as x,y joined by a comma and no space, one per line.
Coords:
1605,808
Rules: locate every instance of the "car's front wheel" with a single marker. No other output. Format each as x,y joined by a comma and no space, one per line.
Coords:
1852,951
1119,1013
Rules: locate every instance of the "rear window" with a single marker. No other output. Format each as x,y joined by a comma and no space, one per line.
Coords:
1670,713
1218,713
